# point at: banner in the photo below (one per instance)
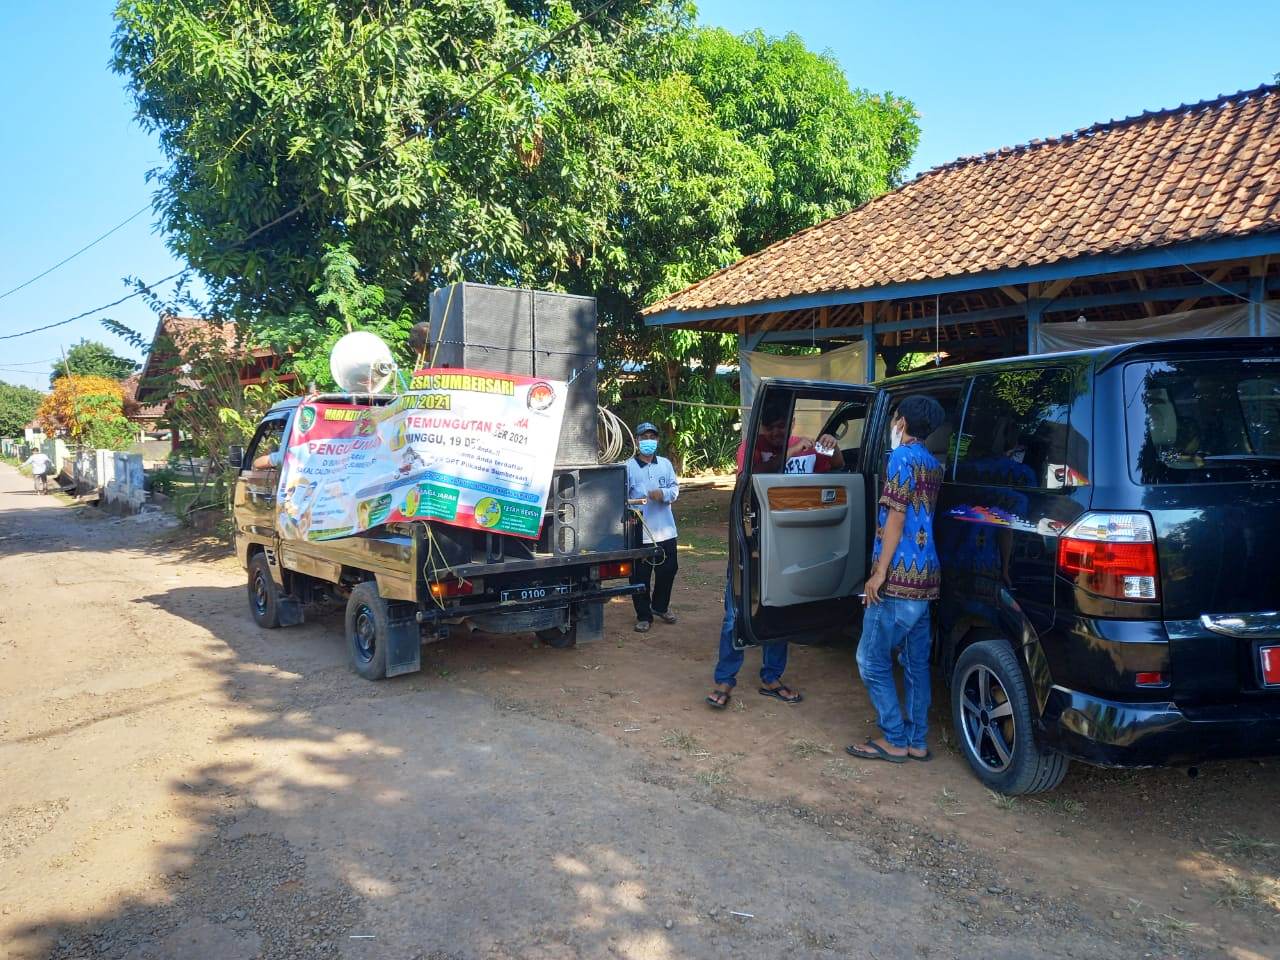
(466, 447)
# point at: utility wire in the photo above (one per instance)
(361, 168)
(132, 217)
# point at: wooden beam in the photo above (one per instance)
(1217, 276)
(1014, 294)
(1147, 306)
(824, 317)
(1051, 290)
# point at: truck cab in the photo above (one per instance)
(406, 583)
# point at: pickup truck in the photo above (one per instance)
(407, 583)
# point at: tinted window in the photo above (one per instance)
(1017, 432)
(1203, 421)
(942, 442)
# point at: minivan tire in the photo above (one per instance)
(264, 593)
(367, 625)
(991, 714)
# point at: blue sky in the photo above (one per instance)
(982, 75)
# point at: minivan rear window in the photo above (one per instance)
(1203, 421)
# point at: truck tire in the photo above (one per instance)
(991, 713)
(367, 624)
(560, 639)
(264, 594)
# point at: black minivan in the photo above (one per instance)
(1109, 531)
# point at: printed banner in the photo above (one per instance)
(466, 447)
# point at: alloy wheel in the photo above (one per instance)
(990, 730)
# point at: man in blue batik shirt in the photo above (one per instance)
(905, 577)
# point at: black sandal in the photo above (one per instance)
(877, 752)
(719, 699)
(791, 696)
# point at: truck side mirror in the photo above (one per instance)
(235, 456)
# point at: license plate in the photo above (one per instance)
(1270, 665)
(534, 593)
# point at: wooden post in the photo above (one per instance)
(1257, 294)
(869, 335)
(1034, 308)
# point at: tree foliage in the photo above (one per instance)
(89, 358)
(18, 406)
(88, 410)
(632, 158)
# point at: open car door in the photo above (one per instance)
(798, 544)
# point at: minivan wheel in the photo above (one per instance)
(367, 626)
(264, 595)
(991, 713)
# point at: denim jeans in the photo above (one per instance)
(897, 626)
(773, 655)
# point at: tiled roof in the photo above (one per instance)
(1200, 172)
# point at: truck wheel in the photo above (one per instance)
(367, 625)
(561, 639)
(264, 595)
(991, 713)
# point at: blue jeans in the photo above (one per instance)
(897, 626)
(774, 655)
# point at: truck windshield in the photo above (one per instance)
(1203, 421)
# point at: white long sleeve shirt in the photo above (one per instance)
(659, 520)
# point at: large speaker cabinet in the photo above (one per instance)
(532, 332)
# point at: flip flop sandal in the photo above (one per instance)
(714, 701)
(776, 693)
(878, 752)
(928, 755)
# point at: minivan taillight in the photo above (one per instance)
(1111, 555)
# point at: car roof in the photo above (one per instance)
(1103, 357)
(370, 399)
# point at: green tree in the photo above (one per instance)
(18, 406)
(624, 161)
(89, 358)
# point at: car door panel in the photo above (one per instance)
(798, 541)
(812, 533)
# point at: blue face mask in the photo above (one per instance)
(648, 447)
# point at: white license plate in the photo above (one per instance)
(534, 593)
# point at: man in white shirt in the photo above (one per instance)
(652, 488)
(41, 466)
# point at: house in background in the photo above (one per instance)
(1161, 225)
(176, 343)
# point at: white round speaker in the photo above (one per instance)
(361, 363)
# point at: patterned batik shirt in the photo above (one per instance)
(911, 487)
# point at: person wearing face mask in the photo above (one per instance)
(905, 577)
(652, 487)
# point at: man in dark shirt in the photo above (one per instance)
(905, 577)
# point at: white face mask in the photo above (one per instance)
(895, 439)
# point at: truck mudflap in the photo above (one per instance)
(404, 640)
(590, 619)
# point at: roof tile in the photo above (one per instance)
(1197, 172)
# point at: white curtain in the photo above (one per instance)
(1228, 321)
(842, 365)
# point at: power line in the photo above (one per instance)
(147, 288)
(66, 260)
(361, 168)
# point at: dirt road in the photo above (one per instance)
(176, 783)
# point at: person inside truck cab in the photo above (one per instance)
(779, 451)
